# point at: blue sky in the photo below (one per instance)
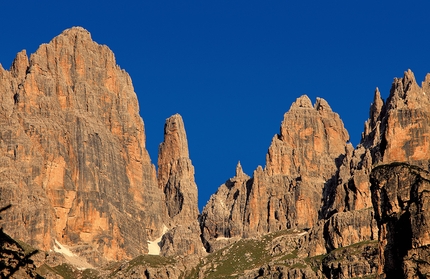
(233, 68)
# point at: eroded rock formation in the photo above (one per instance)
(72, 152)
(400, 195)
(302, 160)
(74, 166)
(397, 130)
(176, 179)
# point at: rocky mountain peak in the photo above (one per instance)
(239, 170)
(73, 143)
(406, 93)
(20, 65)
(307, 134)
(322, 105)
(301, 160)
(77, 31)
(388, 132)
(301, 102)
(175, 145)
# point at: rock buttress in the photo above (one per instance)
(401, 200)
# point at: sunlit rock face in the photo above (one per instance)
(302, 160)
(74, 167)
(398, 130)
(72, 152)
(176, 179)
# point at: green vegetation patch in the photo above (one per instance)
(292, 255)
(151, 260)
(66, 271)
(271, 236)
(90, 274)
(44, 270)
(245, 254)
(28, 249)
(233, 260)
(154, 261)
(367, 277)
(355, 248)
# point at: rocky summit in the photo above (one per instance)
(80, 197)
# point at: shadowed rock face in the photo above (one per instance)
(401, 199)
(72, 152)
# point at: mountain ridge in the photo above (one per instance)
(75, 168)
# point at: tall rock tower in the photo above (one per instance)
(176, 179)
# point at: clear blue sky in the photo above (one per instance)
(233, 68)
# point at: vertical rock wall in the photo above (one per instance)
(72, 152)
(401, 199)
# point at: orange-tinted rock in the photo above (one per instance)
(175, 171)
(176, 179)
(311, 139)
(72, 152)
(406, 131)
(301, 160)
(398, 131)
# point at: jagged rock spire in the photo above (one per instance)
(376, 108)
(371, 135)
(176, 179)
(239, 170)
(175, 171)
(398, 130)
(20, 65)
(175, 144)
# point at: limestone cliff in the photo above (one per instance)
(400, 195)
(397, 130)
(73, 162)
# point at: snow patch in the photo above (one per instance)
(62, 249)
(71, 257)
(222, 238)
(154, 246)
